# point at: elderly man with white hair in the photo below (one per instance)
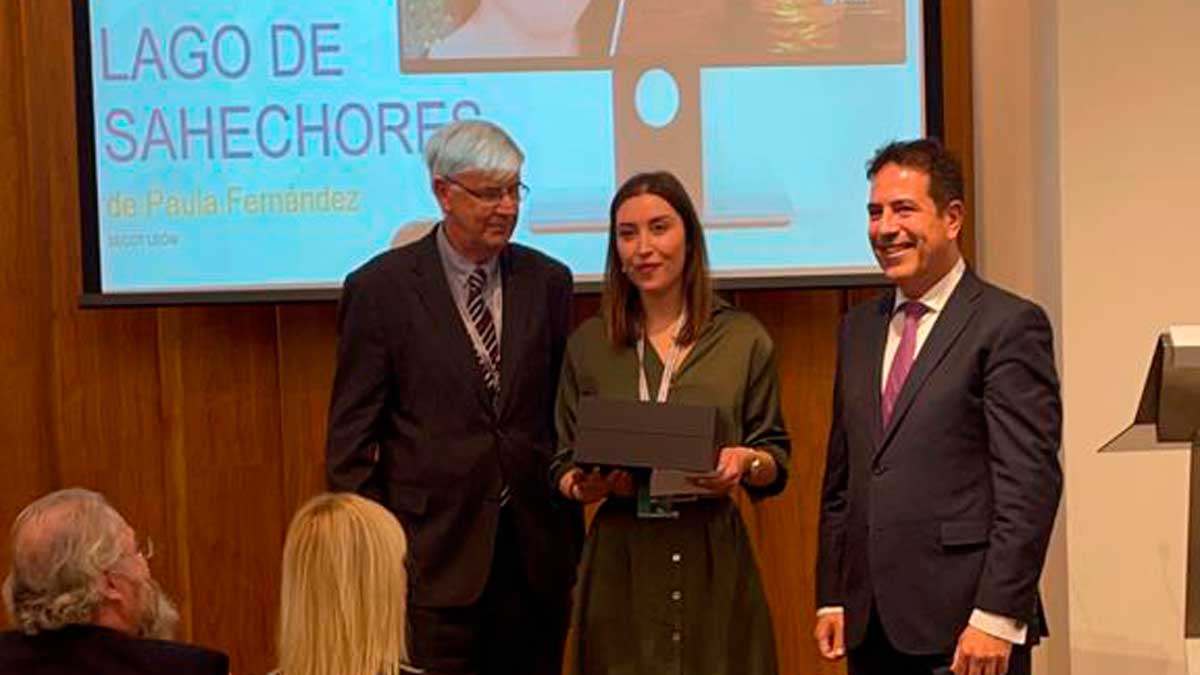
(449, 352)
(82, 598)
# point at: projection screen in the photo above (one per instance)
(263, 149)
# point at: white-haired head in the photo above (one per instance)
(472, 145)
(64, 547)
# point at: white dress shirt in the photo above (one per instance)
(935, 300)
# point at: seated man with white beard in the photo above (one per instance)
(82, 599)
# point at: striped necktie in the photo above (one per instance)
(485, 326)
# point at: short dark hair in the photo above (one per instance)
(620, 303)
(928, 155)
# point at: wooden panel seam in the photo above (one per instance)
(175, 456)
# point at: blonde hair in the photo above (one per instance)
(343, 596)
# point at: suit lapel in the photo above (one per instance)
(518, 311)
(957, 313)
(444, 319)
(876, 343)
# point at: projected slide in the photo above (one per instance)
(278, 145)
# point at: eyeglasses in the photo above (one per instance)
(494, 195)
(145, 548)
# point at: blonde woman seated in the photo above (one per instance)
(342, 601)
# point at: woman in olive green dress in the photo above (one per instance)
(671, 595)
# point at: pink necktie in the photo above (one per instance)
(903, 360)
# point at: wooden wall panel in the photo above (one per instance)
(803, 326)
(957, 99)
(222, 394)
(307, 339)
(24, 298)
(205, 426)
(106, 431)
(584, 307)
(857, 296)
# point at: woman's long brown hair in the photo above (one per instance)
(621, 303)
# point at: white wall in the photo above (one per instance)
(1088, 162)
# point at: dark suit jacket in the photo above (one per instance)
(93, 650)
(411, 423)
(949, 508)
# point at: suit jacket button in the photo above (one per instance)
(880, 470)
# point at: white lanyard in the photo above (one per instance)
(664, 384)
(481, 352)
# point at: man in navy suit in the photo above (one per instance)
(942, 477)
(81, 595)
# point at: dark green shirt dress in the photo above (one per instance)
(677, 596)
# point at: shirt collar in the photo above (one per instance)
(456, 263)
(939, 294)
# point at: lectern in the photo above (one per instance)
(1168, 417)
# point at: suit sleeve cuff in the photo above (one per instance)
(999, 626)
(822, 611)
